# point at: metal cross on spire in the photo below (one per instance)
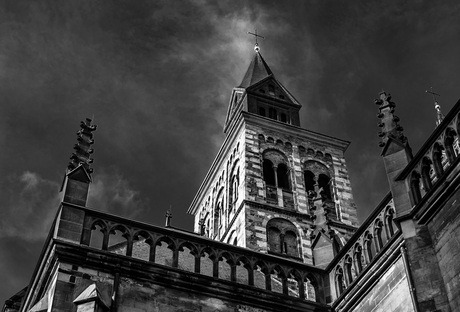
(433, 94)
(256, 36)
(439, 115)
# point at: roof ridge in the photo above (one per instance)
(258, 69)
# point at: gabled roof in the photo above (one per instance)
(280, 85)
(257, 70)
(41, 306)
(91, 293)
(79, 174)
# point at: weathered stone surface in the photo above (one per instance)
(390, 293)
(445, 233)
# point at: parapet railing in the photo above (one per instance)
(435, 158)
(364, 246)
(197, 254)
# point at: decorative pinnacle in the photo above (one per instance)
(168, 216)
(202, 225)
(388, 122)
(82, 148)
(437, 107)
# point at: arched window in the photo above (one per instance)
(283, 117)
(271, 89)
(378, 234)
(369, 247)
(348, 263)
(274, 240)
(317, 178)
(290, 244)
(389, 222)
(309, 178)
(324, 184)
(282, 237)
(275, 170)
(283, 176)
(217, 214)
(339, 285)
(426, 170)
(262, 111)
(437, 159)
(357, 259)
(415, 188)
(233, 187)
(269, 173)
(272, 113)
(451, 136)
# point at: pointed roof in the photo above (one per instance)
(91, 293)
(41, 306)
(257, 71)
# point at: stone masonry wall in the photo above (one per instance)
(390, 293)
(138, 296)
(248, 227)
(445, 233)
(297, 152)
(256, 231)
(426, 272)
(72, 280)
(219, 190)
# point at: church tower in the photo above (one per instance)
(275, 187)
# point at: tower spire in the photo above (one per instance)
(388, 121)
(437, 107)
(258, 69)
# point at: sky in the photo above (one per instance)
(156, 77)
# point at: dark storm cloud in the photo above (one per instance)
(157, 76)
(28, 194)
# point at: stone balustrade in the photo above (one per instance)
(435, 158)
(363, 248)
(191, 252)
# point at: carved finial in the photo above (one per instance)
(82, 148)
(168, 216)
(437, 107)
(202, 225)
(388, 121)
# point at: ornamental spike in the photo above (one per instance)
(388, 121)
(83, 148)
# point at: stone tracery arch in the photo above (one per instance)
(276, 172)
(317, 174)
(449, 141)
(415, 187)
(283, 237)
